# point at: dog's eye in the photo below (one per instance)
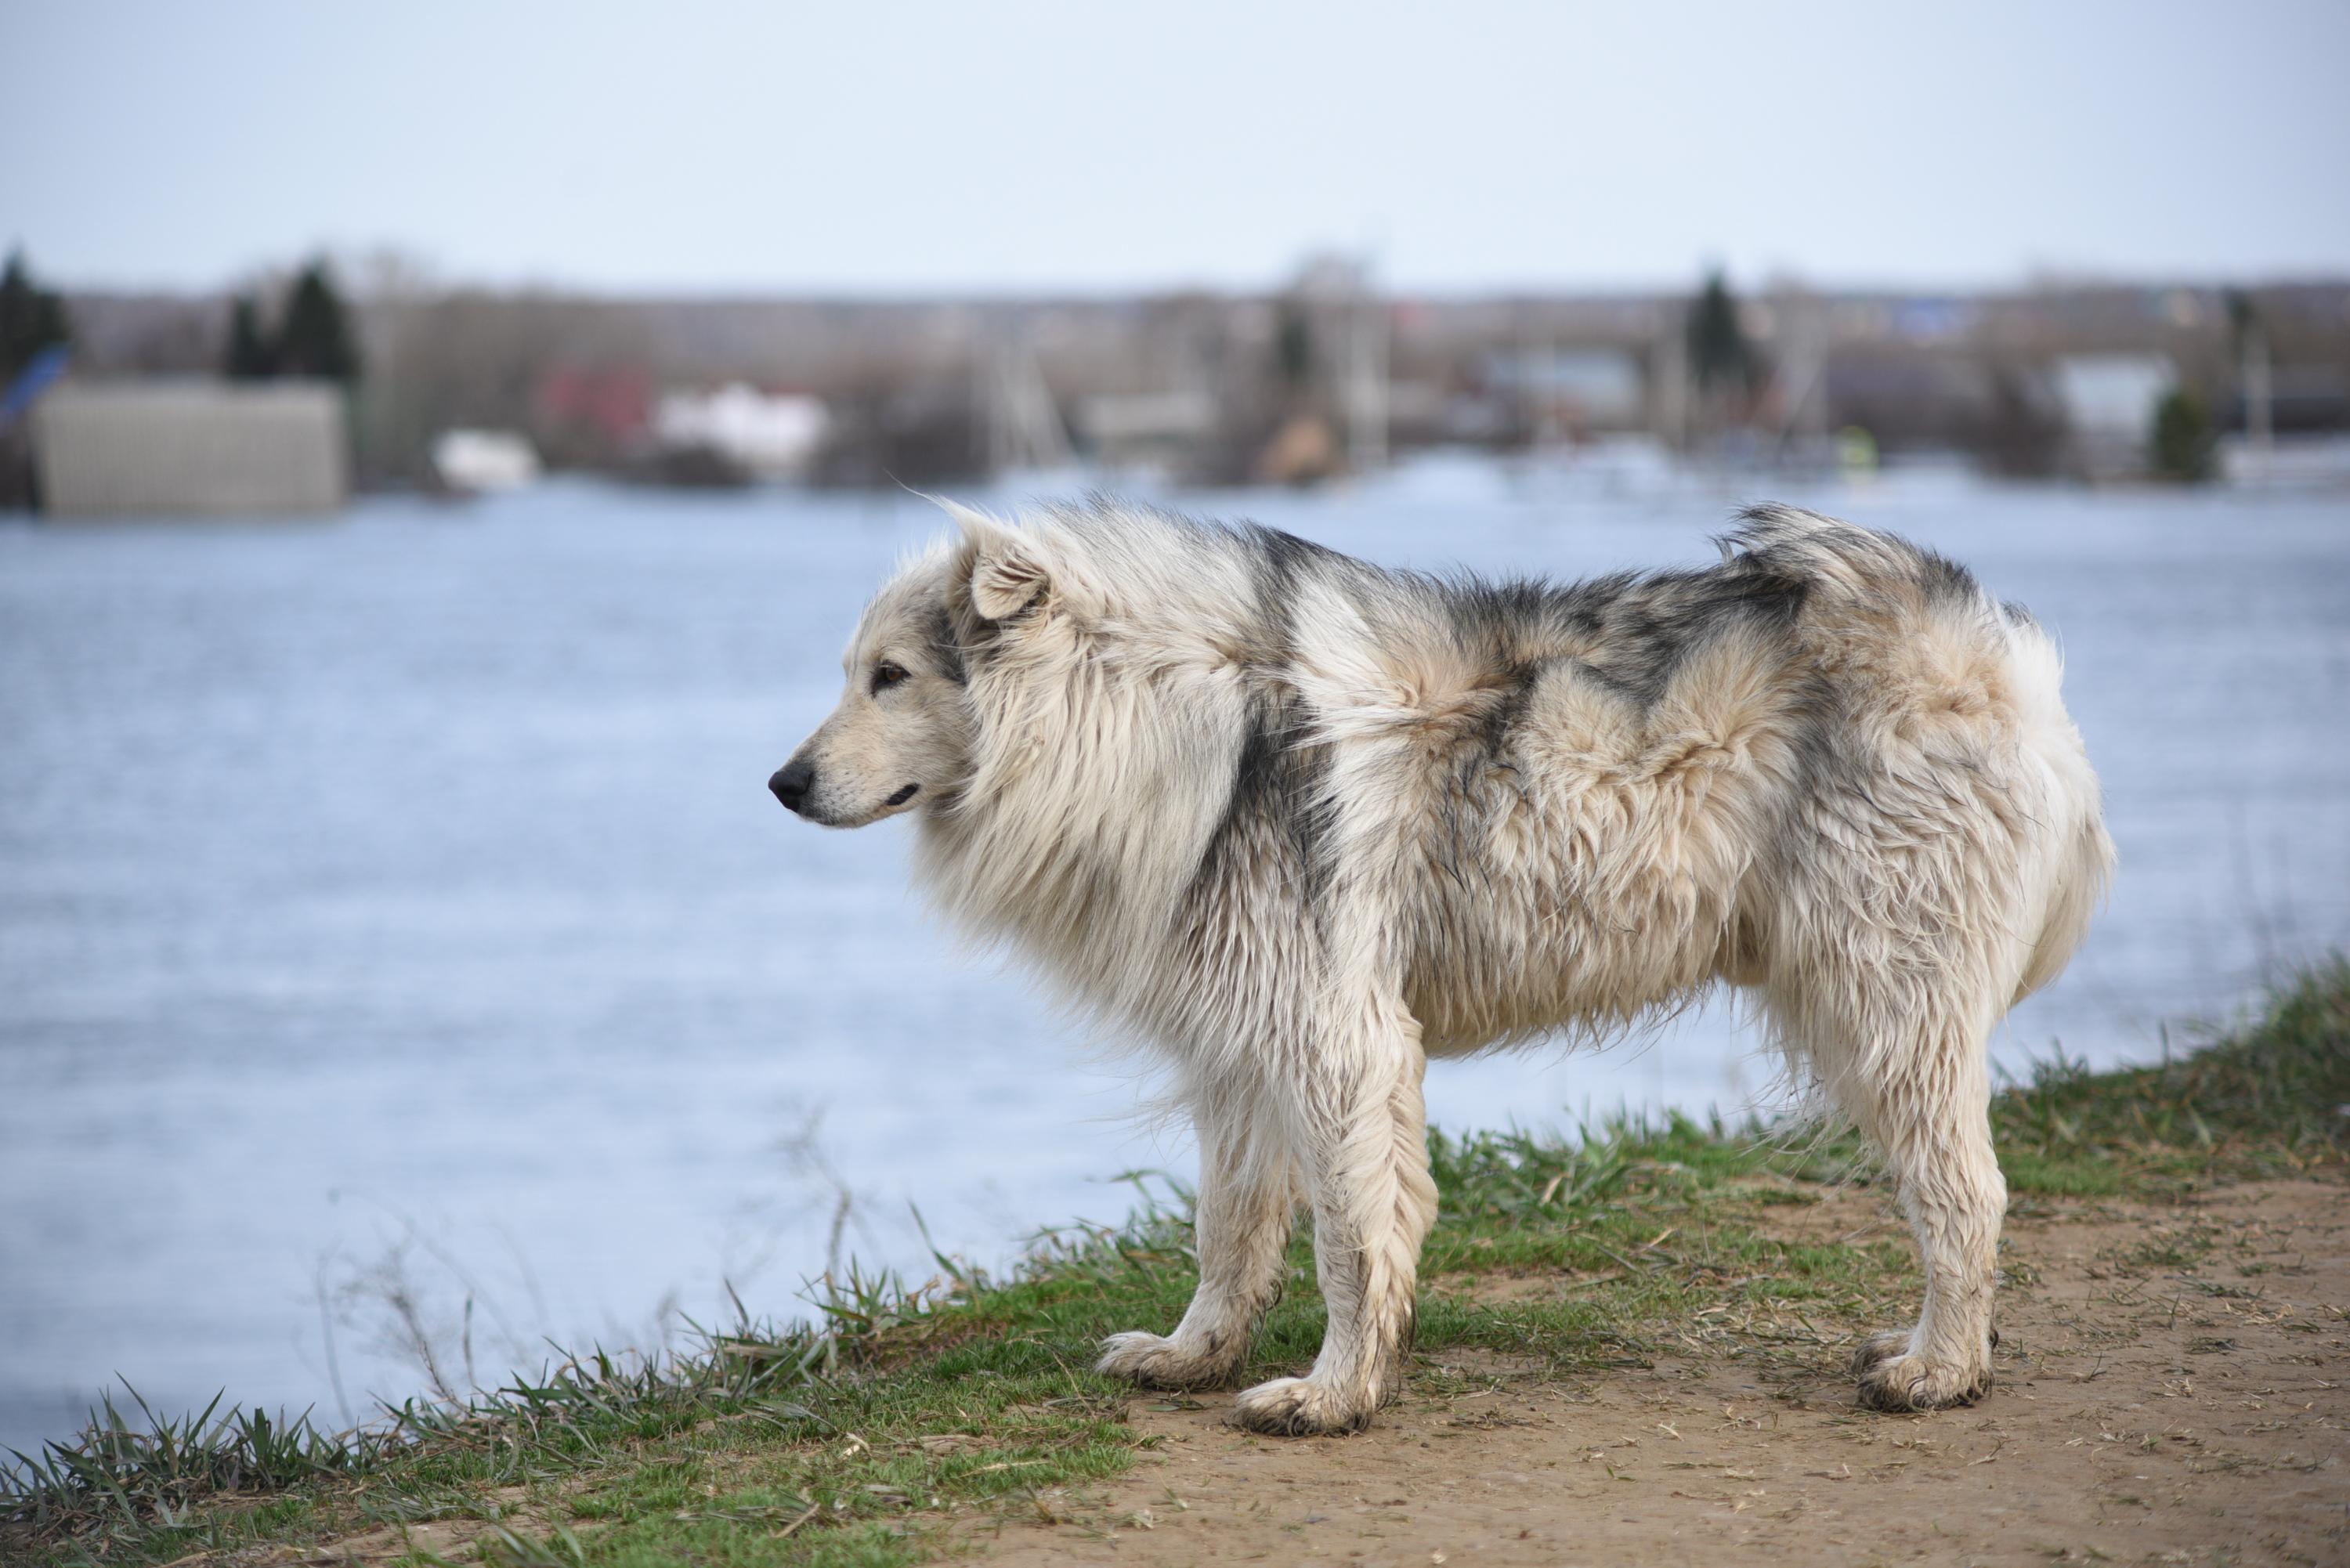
(886, 675)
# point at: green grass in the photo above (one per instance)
(2272, 1099)
(858, 1437)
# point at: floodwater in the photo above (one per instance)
(399, 903)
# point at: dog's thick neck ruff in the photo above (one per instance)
(1119, 672)
(1298, 822)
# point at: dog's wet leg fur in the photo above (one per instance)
(1245, 1212)
(1363, 1126)
(1908, 1062)
(1949, 1186)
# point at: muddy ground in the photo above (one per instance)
(2170, 1391)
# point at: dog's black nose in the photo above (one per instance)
(791, 784)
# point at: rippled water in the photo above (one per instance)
(403, 894)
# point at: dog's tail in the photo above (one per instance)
(1834, 558)
(2068, 875)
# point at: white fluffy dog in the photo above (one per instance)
(1299, 823)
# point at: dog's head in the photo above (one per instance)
(903, 732)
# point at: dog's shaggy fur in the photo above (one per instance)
(1300, 823)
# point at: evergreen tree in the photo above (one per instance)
(31, 318)
(315, 339)
(250, 357)
(1718, 352)
(2243, 318)
(1293, 346)
(2182, 438)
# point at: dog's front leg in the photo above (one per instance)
(1247, 1207)
(1360, 1126)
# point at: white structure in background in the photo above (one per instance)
(1133, 428)
(1561, 390)
(771, 435)
(191, 449)
(2307, 462)
(2108, 401)
(483, 462)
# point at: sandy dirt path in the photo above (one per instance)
(2171, 1390)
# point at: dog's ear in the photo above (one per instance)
(1005, 582)
(1007, 576)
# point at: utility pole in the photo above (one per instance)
(1669, 372)
(2253, 383)
(1802, 369)
(1367, 374)
(1024, 428)
(2259, 416)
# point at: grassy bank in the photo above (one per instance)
(865, 1437)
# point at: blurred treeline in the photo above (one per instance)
(1322, 375)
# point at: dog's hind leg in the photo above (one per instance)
(1360, 1126)
(1917, 1083)
(1246, 1210)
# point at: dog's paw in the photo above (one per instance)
(1893, 1378)
(1300, 1407)
(1156, 1362)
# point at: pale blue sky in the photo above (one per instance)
(882, 148)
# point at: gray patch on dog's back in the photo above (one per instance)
(1277, 801)
(1276, 805)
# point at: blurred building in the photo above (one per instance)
(191, 449)
(1570, 392)
(1147, 430)
(2107, 402)
(767, 435)
(483, 462)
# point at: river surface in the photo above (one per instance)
(394, 908)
